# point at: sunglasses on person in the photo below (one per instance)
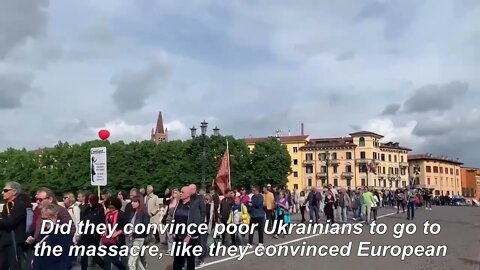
(5, 190)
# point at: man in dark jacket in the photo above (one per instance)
(225, 209)
(257, 215)
(197, 204)
(12, 228)
(313, 199)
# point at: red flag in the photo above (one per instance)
(222, 180)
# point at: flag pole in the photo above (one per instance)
(228, 160)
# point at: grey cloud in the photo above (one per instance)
(355, 127)
(447, 124)
(391, 109)
(13, 87)
(397, 16)
(346, 56)
(133, 88)
(462, 148)
(19, 20)
(436, 97)
(97, 41)
(334, 98)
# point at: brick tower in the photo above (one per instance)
(159, 134)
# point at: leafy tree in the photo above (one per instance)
(270, 163)
(174, 164)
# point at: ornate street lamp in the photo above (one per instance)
(193, 131)
(216, 131)
(203, 127)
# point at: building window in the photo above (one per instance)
(435, 169)
(334, 169)
(428, 181)
(309, 182)
(349, 155)
(295, 149)
(334, 155)
(323, 169)
(348, 168)
(395, 158)
(349, 182)
(361, 142)
(309, 156)
(457, 172)
(295, 186)
(389, 158)
(309, 169)
(436, 181)
(362, 155)
(446, 170)
(396, 170)
(384, 170)
(451, 171)
(295, 162)
(335, 182)
(429, 169)
(363, 181)
(441, 169)
(295, 174)
(374, 155)
(382, 157)
(401, 158)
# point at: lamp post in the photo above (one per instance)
(193, 130)
(203, 127)
(216, 131)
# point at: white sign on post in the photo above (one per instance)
(98, 166)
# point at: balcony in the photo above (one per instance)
(362, 161)
(334, 162)
(321, 175)
(308, 162)
(381, 175)
(347, 175)
(404, 164)
(393, 177)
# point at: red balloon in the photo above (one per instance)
(104, 134)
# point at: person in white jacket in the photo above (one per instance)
(74, 211)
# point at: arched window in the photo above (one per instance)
(361, 142)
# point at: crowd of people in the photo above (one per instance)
(21, 222)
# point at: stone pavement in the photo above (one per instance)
(460, 232)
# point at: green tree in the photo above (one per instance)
(270, 162)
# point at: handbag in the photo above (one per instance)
(110, 219)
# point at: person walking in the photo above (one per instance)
(344, 203)
(139, 216)
(257, 215)
(313, 199)
(12, 228)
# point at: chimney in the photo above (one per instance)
(302, 130)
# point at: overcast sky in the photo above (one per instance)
(406, 69)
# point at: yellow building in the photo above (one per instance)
(358, 160)
(440, 173)
(293, 143)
